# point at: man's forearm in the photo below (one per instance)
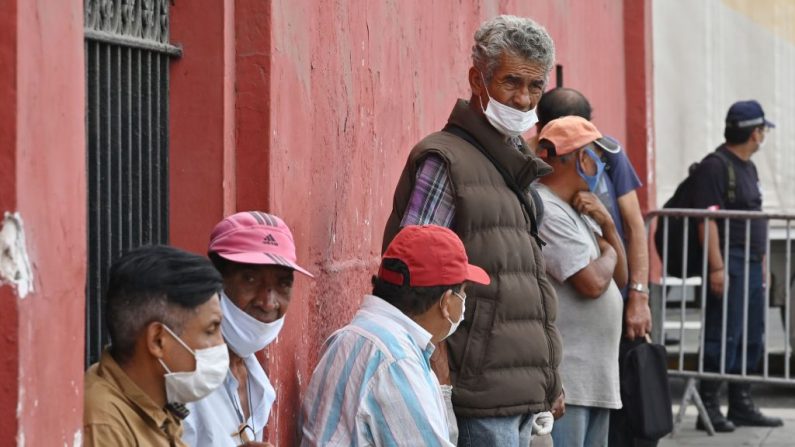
(714, 259)
(594, 279)
(620, 271)
(637, 250)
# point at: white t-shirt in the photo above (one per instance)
(213, 420)
(590, 328)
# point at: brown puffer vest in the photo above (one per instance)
(504, 357)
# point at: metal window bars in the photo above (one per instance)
(127, 55)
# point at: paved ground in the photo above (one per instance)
(776, 401)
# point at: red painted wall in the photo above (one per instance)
(8, 201)
(351, 90)
(202, 121)
(305, 108)
(640, 96)
(308, 108)
(42, 154)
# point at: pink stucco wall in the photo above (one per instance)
(42, 166)
(352, 88)
(305, 108)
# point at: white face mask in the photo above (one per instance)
(509, 121)
(454, 325)
(244, 333)
(212, 365)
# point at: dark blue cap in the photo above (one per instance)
(747, 114)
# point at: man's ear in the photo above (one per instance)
(585, 160)
(760, 134)
(444, 303)
(155, 339)
(475, 81)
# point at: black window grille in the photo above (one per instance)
(127, 55)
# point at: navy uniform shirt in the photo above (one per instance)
(710, 189)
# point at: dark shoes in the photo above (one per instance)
(709, 391)
(743, 411)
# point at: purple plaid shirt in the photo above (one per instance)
(432, 198)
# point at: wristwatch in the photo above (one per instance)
(639, 287)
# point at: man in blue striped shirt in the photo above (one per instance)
(374, 385)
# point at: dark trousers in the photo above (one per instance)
(734, 319)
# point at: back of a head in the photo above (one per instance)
(155, 283)
(560, 102)
(518, 36)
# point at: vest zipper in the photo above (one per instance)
(552, 380)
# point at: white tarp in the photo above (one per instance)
(708, 54)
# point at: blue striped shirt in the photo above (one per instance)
(374, 386)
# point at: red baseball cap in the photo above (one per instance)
(254, 237)
(434, 255)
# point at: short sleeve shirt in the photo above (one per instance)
(590, 328)
(619, 180)
(710, 190)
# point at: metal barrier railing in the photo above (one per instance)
(671, 221)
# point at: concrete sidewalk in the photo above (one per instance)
(687, 435)
(774, 401)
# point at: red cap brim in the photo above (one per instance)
(478, 275)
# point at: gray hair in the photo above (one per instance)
(513, 35)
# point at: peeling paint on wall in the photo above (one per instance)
(14, 262)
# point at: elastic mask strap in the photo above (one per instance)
(184, 345)
(485, 87)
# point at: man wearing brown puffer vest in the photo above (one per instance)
(474, 177)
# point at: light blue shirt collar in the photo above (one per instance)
(377, 306)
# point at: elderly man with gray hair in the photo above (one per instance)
(474, 177)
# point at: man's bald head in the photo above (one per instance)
(560, 102)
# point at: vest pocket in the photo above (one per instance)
(477, 342)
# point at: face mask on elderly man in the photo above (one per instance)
(244, 333)
(509, 121)
(454, 324)
(592, 180)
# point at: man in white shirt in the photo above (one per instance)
(374, 385)
(255, 254)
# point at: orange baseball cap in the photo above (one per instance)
(567, 134)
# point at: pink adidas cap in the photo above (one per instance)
(253, 237)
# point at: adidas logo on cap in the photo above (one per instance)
(270, 240)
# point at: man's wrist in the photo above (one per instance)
(639, 287)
